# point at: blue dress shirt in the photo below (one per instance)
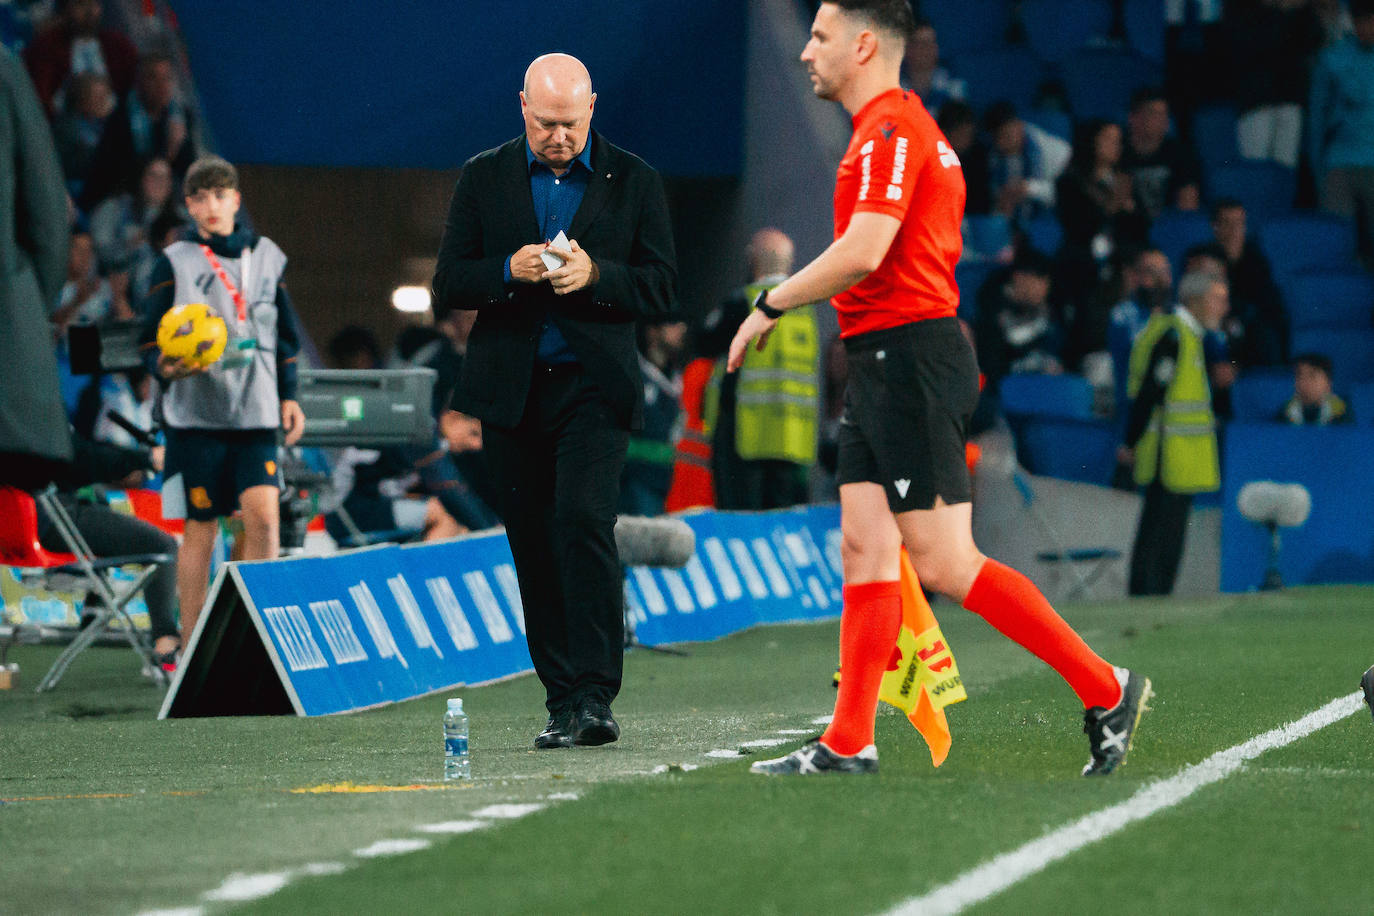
(556, 199)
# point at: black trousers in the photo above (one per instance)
(558, 475)
(1159, 540)
(111, 534)
(756, 485)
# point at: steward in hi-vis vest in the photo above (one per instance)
(1171, 433)
(1179, 444)
(777, 398)
(763, 421)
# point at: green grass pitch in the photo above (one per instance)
(106, 810)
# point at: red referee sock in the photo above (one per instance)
(1016, 608)
(869, 624)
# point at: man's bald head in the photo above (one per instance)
(770, 253)
(558, 73)
(557, 104)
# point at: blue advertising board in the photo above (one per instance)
(321, 635)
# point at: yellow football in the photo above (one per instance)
(194, 333)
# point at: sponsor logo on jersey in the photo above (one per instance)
(894, 189)
(948, 157)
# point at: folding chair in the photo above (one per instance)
(19, 547)
(1100, 558)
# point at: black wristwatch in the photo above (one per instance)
(761, 303)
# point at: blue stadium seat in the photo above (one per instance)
(1351, 352)
(1031, 394)
(1175, 231)
(1297, 242)
(1067, 448)
(1051, 121)
(1266, 188)
(1045, 234)
(1100, 81)
(970, 276)
(1145, 27)
(1361, 403)
(1058, 29)
(1259, 393)
(1325, 299)
(1011, 73)
(988, 234)
(968, 25)
(1214, 136)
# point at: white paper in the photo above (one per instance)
(551, 260)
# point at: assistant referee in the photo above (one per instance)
(913, 384)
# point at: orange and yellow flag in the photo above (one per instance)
(922, 678)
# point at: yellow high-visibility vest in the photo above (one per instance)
(777, 397)
(1179, 445)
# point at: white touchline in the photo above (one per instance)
(1000, 873)
(323, 869)
(453, 826)
(507, 812)
(394, 847)
(240, 887)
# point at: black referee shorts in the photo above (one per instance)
(907, 404)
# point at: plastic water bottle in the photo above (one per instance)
(457, 763)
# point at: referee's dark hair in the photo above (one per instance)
(893, 16)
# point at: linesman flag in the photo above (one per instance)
(922, 677)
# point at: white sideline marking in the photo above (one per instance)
(391, 847)
(999, 873)
(507, 812)
(822, 720)
(722, 752)
(453, 826)
(249, 887)
(175, 911)
(797, 731)
(765, 742)
(672, 768)
(321, 869)
(562, 796)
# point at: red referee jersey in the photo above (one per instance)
(900, 164)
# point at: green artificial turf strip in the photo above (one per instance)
(720, 839)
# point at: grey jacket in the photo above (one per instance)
(33, 264)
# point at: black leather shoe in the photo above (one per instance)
(555, 734)
(593, 725)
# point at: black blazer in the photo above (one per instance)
(622, 223)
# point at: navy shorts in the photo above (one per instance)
(211, 467)
(907, 404)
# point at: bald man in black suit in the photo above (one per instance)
(551, 369)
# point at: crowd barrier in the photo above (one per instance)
(319, 635)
